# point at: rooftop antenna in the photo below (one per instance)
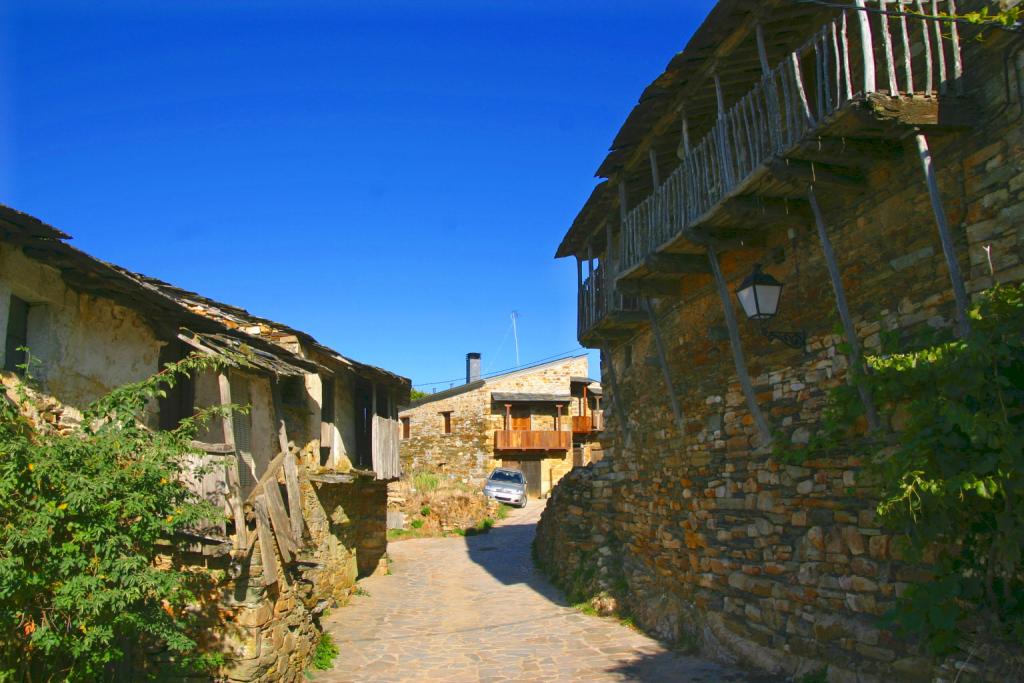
(515, 334)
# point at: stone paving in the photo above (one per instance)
(476, 609)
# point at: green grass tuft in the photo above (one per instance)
(425, 510)
(425, 482)
(416, 523)
(326, 651)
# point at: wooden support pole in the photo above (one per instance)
(234, 483)
(291, 470)
(867, 46)
(508, 415)
(618, 398)
(655, 176)
(948, 249)
(737, 349)
(558, 417)
(268, 553)
(666, 374)
(855, 357)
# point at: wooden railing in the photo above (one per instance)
(585, 424)
(840, 63)
(524, 440)
(596, 301)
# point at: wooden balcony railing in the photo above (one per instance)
(585, 424)
(597, 301)
(524, 440)
(855, 55)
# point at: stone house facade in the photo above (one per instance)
(884, 208)
(304, 489)
(542, 420)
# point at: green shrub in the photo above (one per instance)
(416, 523)
(84, 517)
(425, 481)
(950, 482)
(325, 653)
(425, 510)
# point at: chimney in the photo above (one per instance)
(472, 367)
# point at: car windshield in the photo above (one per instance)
(514, 477)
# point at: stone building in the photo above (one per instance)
(304, 489)
(542, 420)
(872, 163)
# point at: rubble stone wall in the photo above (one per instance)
(709, 538)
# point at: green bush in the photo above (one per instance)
(950, 481)
(325, 653)
(416, 523)
(425, 510)
(83, 517)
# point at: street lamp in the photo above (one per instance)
(759, 296)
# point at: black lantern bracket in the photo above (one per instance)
(759, 295)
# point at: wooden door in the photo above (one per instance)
(521, 418)
(532, 471)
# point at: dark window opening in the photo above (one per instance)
(327, 418)
(447, 417)
(293, 391)
(406, 427)
(179, 401)
(364, 423)
(17, 336)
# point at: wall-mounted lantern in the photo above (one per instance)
(759, 295)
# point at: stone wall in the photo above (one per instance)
(467, 454)
(706, 536)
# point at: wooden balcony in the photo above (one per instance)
(832, 109)
(524, 440)
(586, 424)
(603, 310)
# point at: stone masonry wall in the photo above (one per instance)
(707, 536)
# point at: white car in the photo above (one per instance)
(506, 486)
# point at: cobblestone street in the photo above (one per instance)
(476, 609)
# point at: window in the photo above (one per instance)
(293, 391)
(406, 428)
(17, 335)
(447, 417)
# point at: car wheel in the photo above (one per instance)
(522, 501)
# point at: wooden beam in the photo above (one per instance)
(291, 471)
(279, 516)
(676, 264)
(947, 113)
(808, 173)
(268, 554)
(234, 484)
(737, 349)
(649, 287)
(948, 249)
(855, 357)
(666, 374)
(855, 152)
(768, 211)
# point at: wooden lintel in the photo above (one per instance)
(808, 173)
(677, 264)
(649, 287)
(767, 211)
(918, 110)
(855, 152)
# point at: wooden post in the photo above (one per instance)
(666, 374)
(954, 39)
(737, 350)
(558, 417)
(798, 81)
(855, 356)
(725, 165)
(508, 416)
(959, 292)
(619, 399)
(928, 71)
(291, 471)
(583, 404)
(774, 125)
(867, 46)
(234, 484)
(940, 50)
(890, 62)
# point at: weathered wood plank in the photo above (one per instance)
(268, 553)
(291, 474)
(234, 486)
(279, 516)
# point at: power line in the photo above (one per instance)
(501, 372)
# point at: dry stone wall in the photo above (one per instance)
(708, 538)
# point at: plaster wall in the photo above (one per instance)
(86, 345)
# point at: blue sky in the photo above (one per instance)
(392, 177)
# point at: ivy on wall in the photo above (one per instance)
(950, 473)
